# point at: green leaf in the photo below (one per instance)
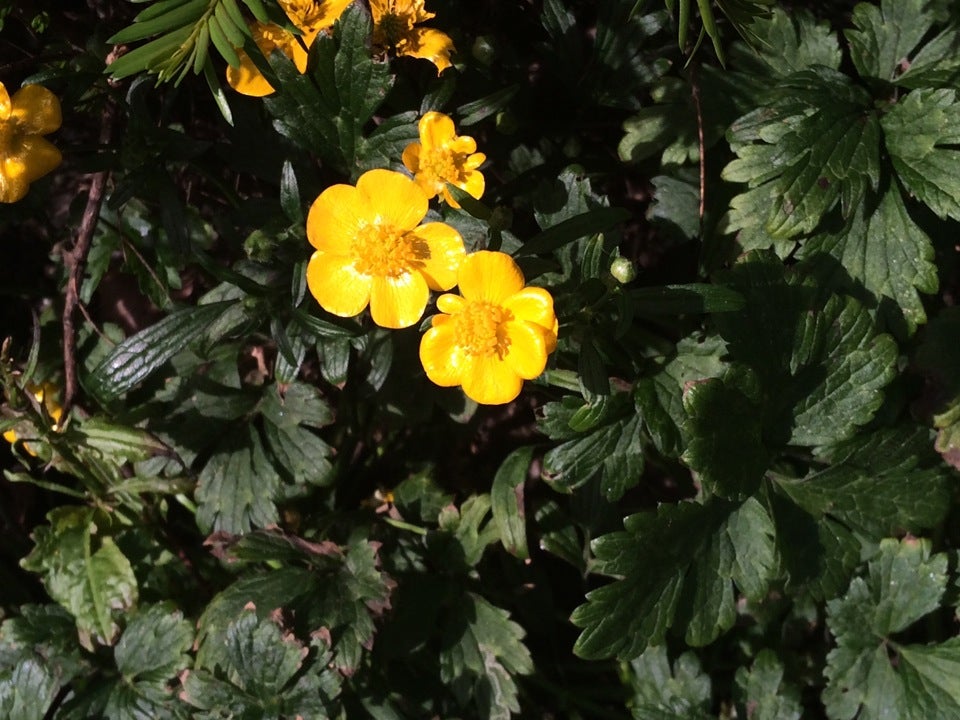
(903, 584)
(937, 359)
(27, 691)
(84, 571)
(922, 132)
(574, 228)
(117, 442)
(662, 692)
(465, 533)
(676, 203)
(725, 445)
(482, 651)
(238, 485)
(507, 501)
(683, 299)
(677, 568)
(815, 143)
(42, 632)
(303, 455)
(140, 355)
(880, 46)
(762, 693)
(881, 250)
(794, 41)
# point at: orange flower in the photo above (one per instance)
(394, 27)
(308, 16)
(46, 396)
(494, 335)
(25, 156)
(443, 157)
(372, 250)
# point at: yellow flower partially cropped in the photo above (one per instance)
(372, 250)
(494, 335)
(46, 396)
(25, 155)
(395, 28)
(443, 157)
(308, 16)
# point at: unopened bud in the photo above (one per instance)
(484, 49)
(623, 270)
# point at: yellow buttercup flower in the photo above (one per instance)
(443, 157)
(394, 27)
(308, 16)
(46, 395)
(494, 335)
(25, 156)
(372, 249)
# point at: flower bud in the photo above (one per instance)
(484, 49)
(507, 122)
(623, 270)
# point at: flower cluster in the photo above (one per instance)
(46, 397)
(373, 249)
(25, 155)
(394, 28)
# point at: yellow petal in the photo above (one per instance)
(533, 304)
(436, 130)
(36, 110)
(474, 185)
(431, 45)
(5, 105)
(38, 156)
(527, 351)
(490, 276)
(464, 145)
(13, 179)
(379, 8)
(443, 360)
(331, 10)
(474, 161)
(450, 304)
(336, 285)
(491, 381)
(295, 51)
(397, 199)
(411, 157)
(335, 217)
(398, 302)
(247, 79)
(442, 265)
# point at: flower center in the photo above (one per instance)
(479, 328)
(443, 165)
(386, 251)
(392, 28)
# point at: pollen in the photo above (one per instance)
(383, 250)
(479, 329)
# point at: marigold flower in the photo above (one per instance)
(443, 157)
(494, 335)
(308, 16)
(372, 249)
(25, 156)
(46, 395)
(394, 26)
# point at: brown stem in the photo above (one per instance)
(695, 93)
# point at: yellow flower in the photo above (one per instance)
(308, 16)
(394, 26)
(371, 249)
(25, 156)
(494, 335)
(46, 395)
(443, 157)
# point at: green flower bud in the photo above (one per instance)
(623, 270)
(484, 49)
(507, 122)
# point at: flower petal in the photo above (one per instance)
(247, 79)
(378, 8)
(431, 45)
(397, 199)
(398, 302)
(335, 218)
(13, 179)
(38, 156)
(36, 110)
(411, 157)
(6, 107)
(450, 304)
(491, 276)
(527, 351)
(443, 360)
(474, 161)
(474, 184)
(491, 381)
(441, 266)
(336, 284)
(534, 304)
(436, 130)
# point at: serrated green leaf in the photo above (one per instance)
(89, 577)
(507, 501)
(27, 692)
(45, 632)
(816, 143)
(903, 584)
(881, 250)
(762, 693)
(140, 355)
(794, 41)
(880, 46)
(725, 445)
(677, 567)
(238, 485)
(117, 442)
(154, 645)
(662, 692)
(676, 202)
(301, 453)
(922, 132)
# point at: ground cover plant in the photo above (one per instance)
(446, 359)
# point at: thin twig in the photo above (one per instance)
(695, 93)
(75, 260)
